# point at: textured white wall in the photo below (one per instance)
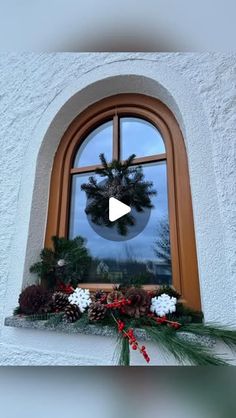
(39, 96)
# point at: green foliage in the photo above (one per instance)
(177, 342)
(124, 351)
(169, 290)
(75, 257)
(39, 317)
(186, 315)
(123, 182)
(216, 332)
(82, 322)
(54, 320)
(17, 311)
(182, 349)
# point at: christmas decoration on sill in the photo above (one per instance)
(159, 313)
(123, 182)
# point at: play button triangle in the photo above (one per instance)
(117, 209)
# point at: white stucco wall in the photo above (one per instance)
(39, 96)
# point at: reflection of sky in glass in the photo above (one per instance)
(139, 137)
(140, 247)
(100, 140)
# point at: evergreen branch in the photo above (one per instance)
(54, 320)
(39, 317)
(73, 252)
(82, 322)
(194, 352)
(17, 311)
(225, 335)
(103, 161)
(128, 162)
(124, 351)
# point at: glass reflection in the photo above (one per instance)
(146, 256)
(99, 139)
(139, 137)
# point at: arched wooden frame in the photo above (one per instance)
(182, 237)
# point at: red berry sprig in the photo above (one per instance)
(145, 354)
(65, 288)
(164, 320)
(120, 325)
(132, 339)
(118, 304)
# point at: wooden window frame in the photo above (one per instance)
(182, 236)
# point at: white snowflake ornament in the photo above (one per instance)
(163, 304)
(81, 298)
(61, 262)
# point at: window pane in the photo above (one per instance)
(146, 255)
(99, 140)
(139, 137)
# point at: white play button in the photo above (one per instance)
(117, 209)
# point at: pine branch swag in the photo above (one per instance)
(163, 317)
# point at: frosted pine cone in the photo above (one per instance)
(72, 313)
(60, 301)
(99, 296)
(114, 296)
(97, 311)
(139, 302)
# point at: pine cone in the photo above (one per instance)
(99, 296)
(72, 313)
(60, 301)
(97, 311)
(114, 295)
(140, 302)
(34, 299)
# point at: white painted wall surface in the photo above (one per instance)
(39, 96)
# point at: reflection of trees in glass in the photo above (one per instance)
(162, 243)
(110, 270)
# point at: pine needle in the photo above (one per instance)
(183, 350)
(124, 357)
(54, 320)
(82, 322)
(17, 311)
(39, 317)
(213, 331)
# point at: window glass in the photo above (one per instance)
(139, 137)
(99, 140)
(146, 255)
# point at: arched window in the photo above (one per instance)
(164, 251)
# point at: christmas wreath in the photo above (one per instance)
(159, 313)
(123, 182)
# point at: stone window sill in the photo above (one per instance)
(106, 331)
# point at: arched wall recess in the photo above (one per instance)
(182, 237)
(134, 76)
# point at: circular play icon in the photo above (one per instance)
(117, 209)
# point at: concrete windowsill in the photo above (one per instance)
(106, 331)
